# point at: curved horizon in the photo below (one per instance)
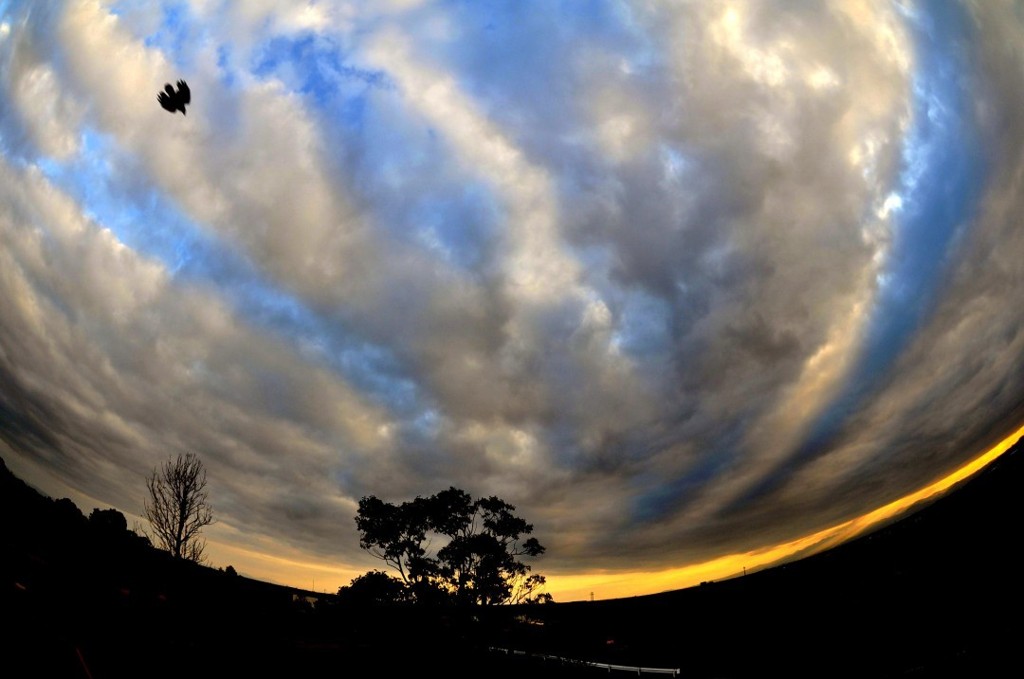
(693, 287)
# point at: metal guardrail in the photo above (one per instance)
(632, 669)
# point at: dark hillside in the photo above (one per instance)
(89, 597)
(931, 595)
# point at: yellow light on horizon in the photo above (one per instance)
(297, 571)
(614, 585)
(313, 575)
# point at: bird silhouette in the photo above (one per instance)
(175, 101)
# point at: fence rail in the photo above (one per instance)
(632, 669)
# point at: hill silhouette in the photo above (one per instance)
(933, 594)
(93, 600)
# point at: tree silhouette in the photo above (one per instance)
(373, 588)
(177, 508)
(108, 521)
(480, 543)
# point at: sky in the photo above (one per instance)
(695, 286)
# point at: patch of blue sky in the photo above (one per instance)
(374, 369)
(454, 220)
(594, 18)
(318, 67)
(512, 58)
(16, 11)
(425, 427)
(460, 226)
(225, 69)
(14, 141)
(176, 33)
(675, 164)
(643, 331)
(150, 223)
(938, 191)
(179, 33)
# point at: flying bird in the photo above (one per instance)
(175, 101)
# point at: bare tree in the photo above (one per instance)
(177, 508)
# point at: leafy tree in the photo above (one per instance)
(479, 545)
(68, 511)
(177, 508)
(373, 588)
(109, 521)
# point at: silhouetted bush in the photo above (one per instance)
(374, 588)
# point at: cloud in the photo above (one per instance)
(676, 280)
(111, 367)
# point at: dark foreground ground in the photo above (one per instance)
(937, 594)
